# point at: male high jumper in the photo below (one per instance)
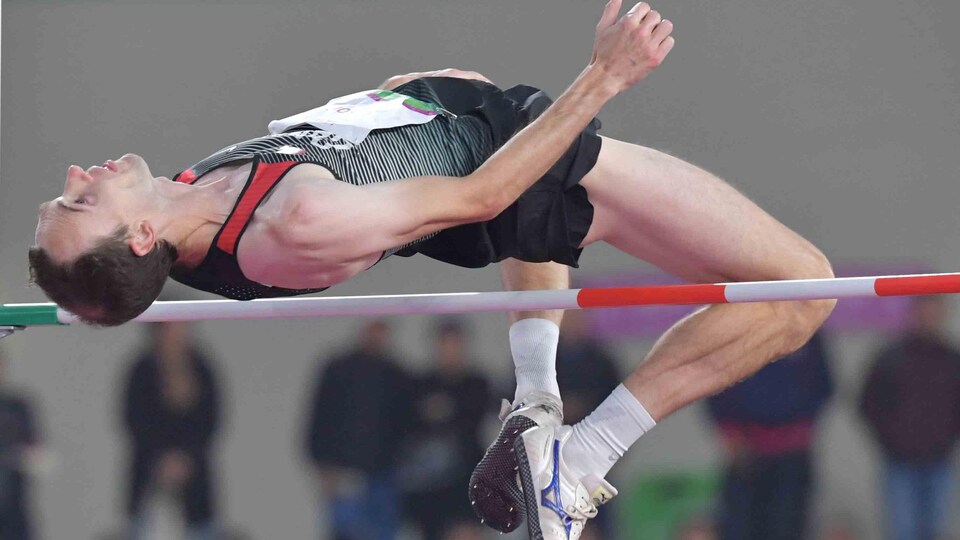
(466, 173)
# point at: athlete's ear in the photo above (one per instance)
(142, 239)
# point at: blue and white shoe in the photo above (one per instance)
(494, 490)
(557, 505)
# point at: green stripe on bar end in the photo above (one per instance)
(29, 315)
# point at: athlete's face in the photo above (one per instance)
(93, 205)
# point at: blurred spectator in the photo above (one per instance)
(767, 425)
(357, 419)
(838, 532)
(839, 528)
(587, 373)
(466, 531)
(443, 446)
(911, 402)
(171, 412)
(696, 529)
(20, 446)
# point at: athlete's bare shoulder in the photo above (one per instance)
(294, 241)
(304, 182)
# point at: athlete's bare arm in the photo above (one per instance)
(516, 275)
(336, 222)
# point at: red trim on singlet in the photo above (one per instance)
(186, 177)
(266, 176)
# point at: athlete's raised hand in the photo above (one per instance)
(629, 48)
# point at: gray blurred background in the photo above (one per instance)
(840, 118)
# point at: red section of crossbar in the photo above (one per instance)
(916, 285)
(645, 296)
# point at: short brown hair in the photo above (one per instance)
(107, 286)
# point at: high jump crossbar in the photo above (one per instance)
(16, 316)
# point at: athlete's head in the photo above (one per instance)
(97, 254)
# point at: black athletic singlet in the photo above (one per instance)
(547, 223)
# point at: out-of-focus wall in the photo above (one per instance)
(842, 119)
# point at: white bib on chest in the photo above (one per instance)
(353, 117)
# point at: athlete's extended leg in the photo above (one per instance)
(494, 491)
(690, 223)
(533, 334)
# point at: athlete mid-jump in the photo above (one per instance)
(466, 173)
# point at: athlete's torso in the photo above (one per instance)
(444, 146)
(547, 223)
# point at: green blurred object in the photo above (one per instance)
(657, 505)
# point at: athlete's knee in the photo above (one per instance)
(805, 317)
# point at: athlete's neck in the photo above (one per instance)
(189, 216)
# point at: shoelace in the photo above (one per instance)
(583, 507)
(507, 408)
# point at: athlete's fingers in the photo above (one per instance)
(661, 31)
(610, 12)
(639, 9)
(633, 17)
(650, 20)
(667, 46)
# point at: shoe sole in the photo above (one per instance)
(494, 494)
(531, 505)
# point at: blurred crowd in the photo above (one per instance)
(401, 453)
(909, 403)
(393, 461)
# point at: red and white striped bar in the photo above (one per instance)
(25, 315)
(471, 302)
(768, 291)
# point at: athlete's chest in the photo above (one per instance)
(244, 199)
(264, 252)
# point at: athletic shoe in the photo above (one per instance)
(557, 505)
(494, 489)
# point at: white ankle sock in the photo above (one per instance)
(600, 440)
(533, 343)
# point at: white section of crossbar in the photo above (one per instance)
(801, 289)
(295, 308)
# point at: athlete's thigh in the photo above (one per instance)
(687, 221)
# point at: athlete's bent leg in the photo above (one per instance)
(692, 224)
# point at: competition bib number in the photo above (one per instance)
(353, 117)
